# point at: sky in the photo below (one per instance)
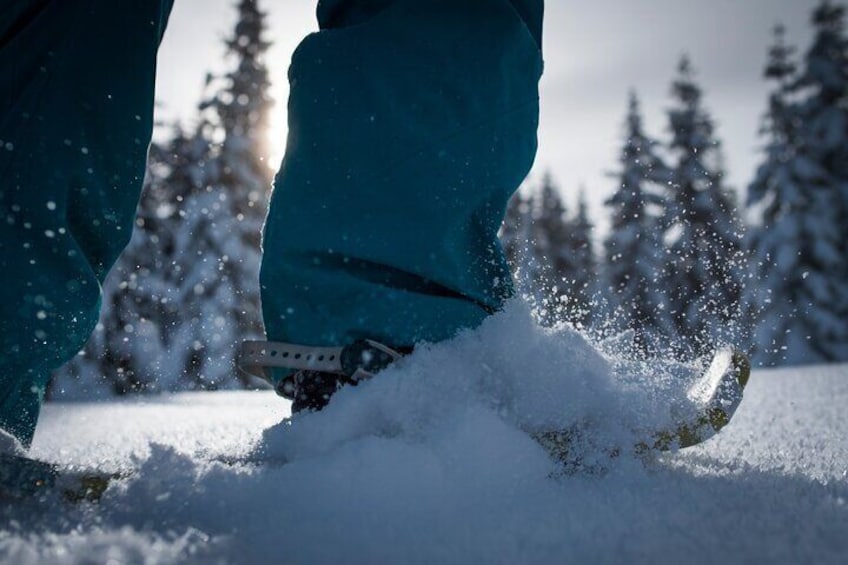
(595, 53)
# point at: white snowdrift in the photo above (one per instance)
(431, 463)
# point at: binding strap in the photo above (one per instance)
(359, 360)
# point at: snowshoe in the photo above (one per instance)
(715, 396)
(22, 477)
(25, 478)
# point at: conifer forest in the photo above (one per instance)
(688, 261)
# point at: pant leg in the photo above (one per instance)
(344, 13)
(411, 122)
(76, 105)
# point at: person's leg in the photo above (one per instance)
(411, 122)
(76, 105)
(346, 13)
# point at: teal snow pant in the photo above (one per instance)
(76, 114)
(411, 124)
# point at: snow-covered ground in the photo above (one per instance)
(429, 464)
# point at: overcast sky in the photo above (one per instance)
(595, 52)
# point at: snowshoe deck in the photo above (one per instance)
(24, 478)
(716, 394)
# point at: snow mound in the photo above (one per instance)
(433, 462)
(477, 399)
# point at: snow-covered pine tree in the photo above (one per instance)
(823, 86)
(511, 228)
(704, 266)
(801, 193)
(239, 109)
(581, 284)
(515, 236)
(776, 294)
(151, 291)
(523, 251)
(551, 254)
(224, 221)
(551, 249)
(633, 248)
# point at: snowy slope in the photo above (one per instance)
(428, 464)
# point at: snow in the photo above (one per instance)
(430, 463)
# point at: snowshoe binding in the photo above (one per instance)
(319, 371)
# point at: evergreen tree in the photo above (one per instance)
(239, 110)
(581, 284)
(551, 232)
(823, 88)
(551, 254)
(781, 242)
(514, 233)
(801, 193)
(633, 247)
(223, 221)
(704, 267)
